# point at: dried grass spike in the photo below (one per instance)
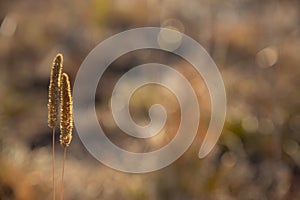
(54, 91)
(66, 111)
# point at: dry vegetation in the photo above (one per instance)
(256, 45)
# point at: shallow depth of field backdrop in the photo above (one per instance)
(256, 45)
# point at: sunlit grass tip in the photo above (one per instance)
(54, 91)
(66, 111)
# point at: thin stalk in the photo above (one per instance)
(53, 161)
(62, 175)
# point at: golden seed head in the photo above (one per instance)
(54, 91)
(66, 111)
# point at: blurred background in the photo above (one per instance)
(255, 44)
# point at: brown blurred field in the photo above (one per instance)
(256, 45)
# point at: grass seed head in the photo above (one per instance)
(66, 111)
(54, 91)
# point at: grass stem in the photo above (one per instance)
(62, 174)
(53, 161)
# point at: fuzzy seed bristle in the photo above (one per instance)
(66, 111)
(54, 91)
